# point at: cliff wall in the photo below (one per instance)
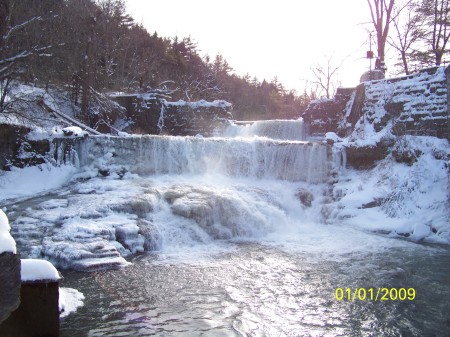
(153, 114)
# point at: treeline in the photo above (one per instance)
(92, 47)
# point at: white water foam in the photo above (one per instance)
(235, 157)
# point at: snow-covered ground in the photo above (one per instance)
(402, 200)
(30, 105)
(33, 180)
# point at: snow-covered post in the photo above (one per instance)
(39, 301)
(29, 291)
(9, 271)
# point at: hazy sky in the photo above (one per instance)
(282, 38)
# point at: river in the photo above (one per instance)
(267, 289)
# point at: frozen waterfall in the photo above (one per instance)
(279, 129)
(233, 157)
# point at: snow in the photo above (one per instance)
(49, 110)
(407, 201)
(69, 301)
(422, 95)
(332, 136)
(201, 104)
(38, 270)
(75, 131)
(29, 181)
(7, 243)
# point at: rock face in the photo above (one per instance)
(9, 284)
(324, 115)
(305, 197)
(17, 150)
(153, 114)
(365, 157)
(191, 118)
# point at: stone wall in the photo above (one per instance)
(416, 104)
(143, 110)
(324, 115)
(153, 114)
(191, 118)
(17, 150)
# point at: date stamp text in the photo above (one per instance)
(375, 294)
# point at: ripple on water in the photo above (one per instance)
(260, 290)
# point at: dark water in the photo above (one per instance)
(281, 283)
(257, 289)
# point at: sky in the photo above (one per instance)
(282, 38)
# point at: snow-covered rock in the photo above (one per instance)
(405, 199)
(74, 131)
(415, 104)
(154, 113)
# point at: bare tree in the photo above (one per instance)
(406, 22)
(326, 76)
(436, 31)
(381, 12)
(14, 55)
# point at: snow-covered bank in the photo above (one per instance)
(408, 200)
(31, 181)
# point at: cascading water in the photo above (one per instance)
(274, 129)
(232, 227)
(253, 158)
(217, 188)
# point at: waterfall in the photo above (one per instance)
(182, 191)
(67, 151)
(234, 157)
(275, 129)
(272, 149)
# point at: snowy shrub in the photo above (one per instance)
(403, 152)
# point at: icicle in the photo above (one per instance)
(237, 157)
(161, 116)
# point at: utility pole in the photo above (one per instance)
(370, 56)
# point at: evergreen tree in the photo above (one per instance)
(435, 14)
